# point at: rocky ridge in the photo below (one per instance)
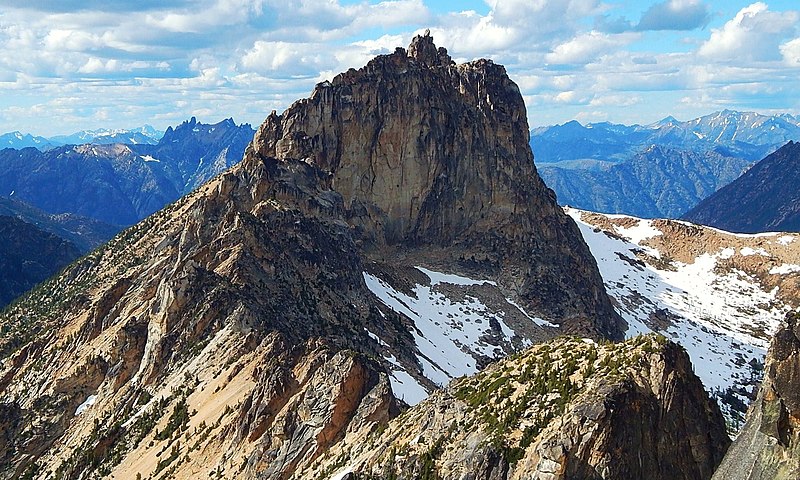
(451, 168)
(560, 410)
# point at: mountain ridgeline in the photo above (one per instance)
(266, 325)
(28, 256)
(121, 184)
(657, 182)
(766, 198)
(660, 170)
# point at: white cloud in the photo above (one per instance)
(243, 58)
(286, 59)
(791, 52)
(587, 47)
(753, 34)
(615, 100)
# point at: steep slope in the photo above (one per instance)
(251, 325)
(451, 168)
(85, 233)
(658, 182)
(121, 184)
(29, 256)
(765, 198)
(720, 295)
(562, 410)
(769, 445)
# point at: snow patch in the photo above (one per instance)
(437, 278)
(449, 334)
(639, 233)
(785, 240)
(747, 251)
(148, 158)
(722, 318)
(406, 388)
(86, 404)
(784, 269)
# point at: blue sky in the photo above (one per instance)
(68, 65)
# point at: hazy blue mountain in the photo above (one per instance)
(766, 198)
(743, 134)
(121, 184)
(142, 135)
(28, 256)
(657, 170)
(658, 182)
(85, 233)
(22, 140)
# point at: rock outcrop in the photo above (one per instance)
(768, 446)
(561, 410)
(426, 153)
(233, 333)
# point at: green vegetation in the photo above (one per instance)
(527, 391)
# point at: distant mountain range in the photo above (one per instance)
(145, 134)
(140, 135)
(746, 135)
(656, 182)
(766, 198)
(121, 184)
(657, 170)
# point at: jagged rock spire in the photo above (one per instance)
(423, 50)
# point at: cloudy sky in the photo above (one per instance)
(68, 65)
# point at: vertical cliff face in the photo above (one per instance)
(427, 153)
(768, 446)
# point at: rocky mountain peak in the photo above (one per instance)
(263, 315)
(422, 155)
(423, 50)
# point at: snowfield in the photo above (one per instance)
(451, 334)
(723, 318)
(721, 315)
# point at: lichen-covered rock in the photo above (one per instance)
(562, 410)
(768, 447)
